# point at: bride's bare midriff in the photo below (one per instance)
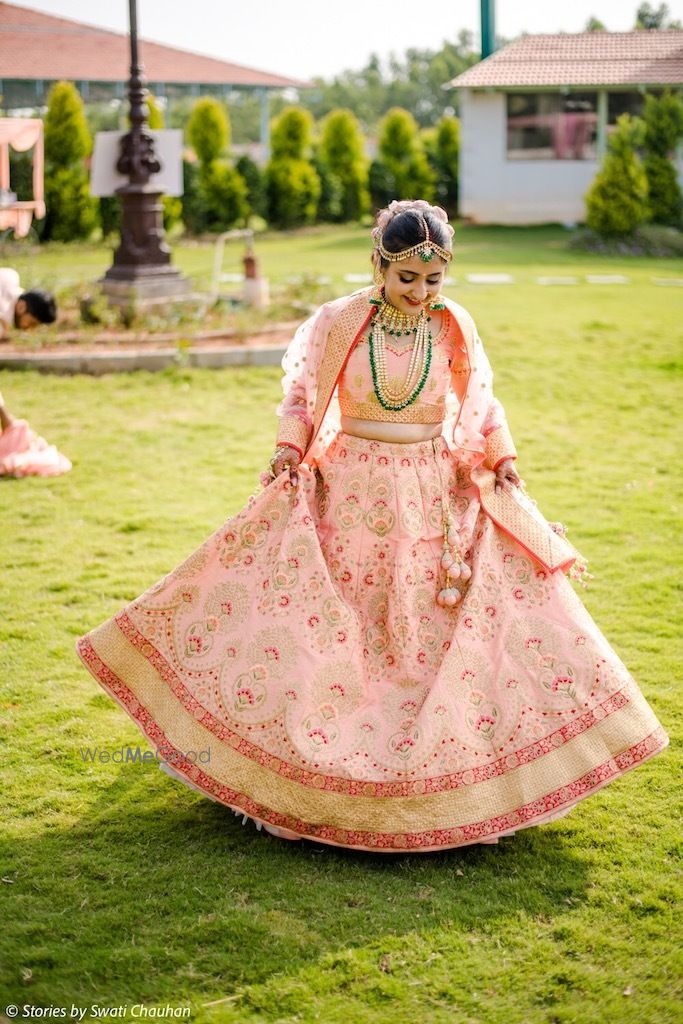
(395, 433)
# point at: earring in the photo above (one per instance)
(378, 276)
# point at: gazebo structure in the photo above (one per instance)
(20, 134)
(38, 49)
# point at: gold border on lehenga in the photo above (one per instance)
(155, 706)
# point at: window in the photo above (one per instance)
(552, 126)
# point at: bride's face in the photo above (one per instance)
(412, 283)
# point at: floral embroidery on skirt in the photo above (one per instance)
(302, 643)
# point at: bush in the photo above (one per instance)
(293, 191)
(343, 168)
(293, 185)
(404, 171)
(663, 129)
(71, 210)
(616, 202)
(253, 179)
(664, 192)
(291, 134)
(208, 130)
(195, 216)
(442, 145)
(223, 193)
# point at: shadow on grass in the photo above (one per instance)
(161, 895)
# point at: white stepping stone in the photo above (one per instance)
(490, 278)
(607, 279)
(668, 282)
(557, 280)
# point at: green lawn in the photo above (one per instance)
(123, 887)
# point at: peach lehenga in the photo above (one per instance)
(301, 650)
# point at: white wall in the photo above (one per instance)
(495, 190)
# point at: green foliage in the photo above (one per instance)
(663, 128)
(223, 193)
(343, 167)
(71, 210)
(616, 202)
(253, 179)
(414, 81)
(67, 138)
(663, 118)
(293, 192)
(110, 214)
(664, 192)
(442, 145)
(155, 115)
(595, 25)
(195, 216)
(650, 17)
(293, 185)
(291, 134)
(208, 130)
(404, 172)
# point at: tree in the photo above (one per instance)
(71, 210)
(292, 134)
(208, 130)
(414, 81)
(663, 128)
(401, 170)
(253, 179)
(218, 197)
(342, 154)
(442, 145)
(617, 199)
(650, 17)
(594, 25)
(292, 184)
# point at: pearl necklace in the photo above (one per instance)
(388, 318)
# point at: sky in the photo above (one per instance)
(307, 38)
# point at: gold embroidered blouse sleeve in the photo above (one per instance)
(499, 446)
(294, 432)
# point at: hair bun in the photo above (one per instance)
(399, 206)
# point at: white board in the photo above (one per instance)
(168, 147)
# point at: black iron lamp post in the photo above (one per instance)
(142, 262)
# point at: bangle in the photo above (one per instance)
(280, 450)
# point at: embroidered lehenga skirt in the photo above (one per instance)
(302, 647)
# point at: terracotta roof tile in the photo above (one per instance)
(35, 45)
(584, 58)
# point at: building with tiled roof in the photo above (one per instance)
(536, 114)
(38, 49)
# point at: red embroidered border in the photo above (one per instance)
(315, 779)
(433, 839)
(352, 787)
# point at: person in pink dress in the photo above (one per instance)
(383, 650)
(23, 452)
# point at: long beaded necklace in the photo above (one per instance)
(389, 319)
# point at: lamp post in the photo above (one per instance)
(142, 262)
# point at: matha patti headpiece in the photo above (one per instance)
(426, 250)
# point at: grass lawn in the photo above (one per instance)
(122, 887)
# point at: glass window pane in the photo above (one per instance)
(552, 126)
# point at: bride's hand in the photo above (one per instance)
(291, 456)
(506, 474)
